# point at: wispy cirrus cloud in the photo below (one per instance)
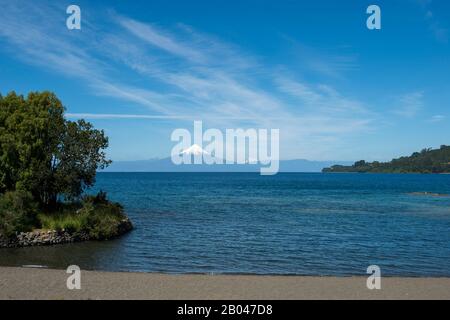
(321, 97)
(332, 62)
(410, 104)
(185, 74)
(157, 38)
(437, 118)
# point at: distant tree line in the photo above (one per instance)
(426, 161)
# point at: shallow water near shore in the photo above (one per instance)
(290, 223)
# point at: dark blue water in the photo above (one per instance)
(308, 224)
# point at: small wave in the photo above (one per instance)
(34, 266)
(430, 194)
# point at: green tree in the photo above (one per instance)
(17, 212)
(44, 154)
(81, 154)
(360, 163)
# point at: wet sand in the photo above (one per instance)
(34, 283)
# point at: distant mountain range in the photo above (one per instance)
(166, 165)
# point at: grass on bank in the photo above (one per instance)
(93, 215)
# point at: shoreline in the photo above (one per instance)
(42, 283)
(220, 274)
(43, 237)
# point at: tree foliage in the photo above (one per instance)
(43, 153)
(17, 212)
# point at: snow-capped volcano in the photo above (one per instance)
(195, 150)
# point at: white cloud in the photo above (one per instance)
(320, 97)
(156, 37)
(437, 118)
(333, 62)
(408, 105)
(186, 74)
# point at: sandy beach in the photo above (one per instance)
(35, 283)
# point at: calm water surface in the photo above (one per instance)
(308, 224)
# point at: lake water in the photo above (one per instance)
(306, 224)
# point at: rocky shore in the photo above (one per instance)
(52, 237)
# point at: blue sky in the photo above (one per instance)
(336, 90)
